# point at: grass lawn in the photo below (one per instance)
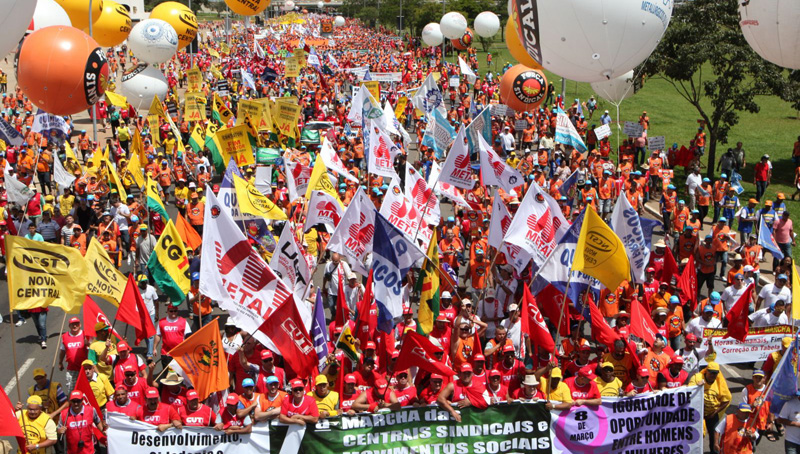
(772, 131)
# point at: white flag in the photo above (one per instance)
(353, 236)
(499, 224)
(382, 151)
(403, 214)
(259, 50)
(297, 177)
(290, 263)
(446, 189)
(418, 191)
(334, 162)
(465, 70)
(323, 209)
(567, 134)
(495, 171)
(60, 174)
(625, 223)
(16, 191)
(456, 169)
(428, 97)
(537, 226)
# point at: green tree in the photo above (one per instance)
(705, 57)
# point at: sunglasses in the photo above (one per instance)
(298, 389)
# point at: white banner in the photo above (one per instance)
(758, 345)
(382, 77)
(127, 436)
(602, 132)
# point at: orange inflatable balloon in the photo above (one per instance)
(465, 41)
(62, 70)
(523, 88)
(516, 48)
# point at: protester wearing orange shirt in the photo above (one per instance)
(478, 271)
(706, 261)
(608, 194)
(667, 204)
(680, 217)
(721, 233)
(450, 247)
(720, 189)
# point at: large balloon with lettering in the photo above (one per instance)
(113, 26)
(14, 21)
(247, 7)
(141, 83)
(616, 89)
(180, 17)
(78, 11)
(590, 41)
(516, 48)
(772, 28)
(522, 88)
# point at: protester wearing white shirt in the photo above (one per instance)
(770, 316)
(771, 293)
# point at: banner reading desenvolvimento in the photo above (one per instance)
(669, 421)
(514, 428)
(127, 437)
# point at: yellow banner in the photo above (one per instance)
(43, 274)
(258, 111)
(286, 118)
(292, 67)
(374, 88)
(251, 201)
(193, 110)
(117, 100)
(105, 280)
(400, 107)
(195, 78)
(233, 143)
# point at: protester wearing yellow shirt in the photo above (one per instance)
(607, 383)
(39, 429)
(101, 387)
(102, 350)
(560, 392)
(327, 400)
(716, 395)
(66, 202)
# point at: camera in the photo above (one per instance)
(81, 444)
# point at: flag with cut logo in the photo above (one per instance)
(169, 264)
(318, 332)
(285, 328)
(133, 311)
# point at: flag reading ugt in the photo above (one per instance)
(392, 256)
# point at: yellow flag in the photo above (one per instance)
(135, 168)
(251, 201)
(156, 108)
(105, 280)
(169, 264)
(795, 295)
(347, 343)
(43, 274)
(401, 106)
(117, 100)
(220, 112)
(233, 143)
(123, 194)
(71, 154)
(321, 181)
(213, 53)
(600, 253)
(137, 147)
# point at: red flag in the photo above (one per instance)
(738, 323)
(342, 311)
(550, 300)
(642, 324)
(93, 315)
(601, 332)
(83, 386)
(418, 351)
(285, 329)
(133, 311)
(8, 419)
(533, 323)
(670, 266)
(687, 283)
(367, 321)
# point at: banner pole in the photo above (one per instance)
(14, 350)
(60, 336)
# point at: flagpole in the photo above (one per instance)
(60, 335)
(14, 352)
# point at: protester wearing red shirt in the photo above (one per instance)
(405, 393)
(583, 387)
(122, 403)
(349, 395)
(582, 360)
(230, 419)
(76, 422)
(268, 369)
(529, 392)
(674, 373)
(640, 384)
(172, 393)
(479, 375)
(462, 393)
(161, 415)
(511, 368)
(431, 392)
(498, 392)
(134, 385)
(299, 408)
(74, 349)
(196, 414)
(124, 358)
(366, 375)
(171, 331)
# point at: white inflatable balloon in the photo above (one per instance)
(616, 89)
(47, 13)
(432, 34)
(14, 21)
(591, 41)
(153, 41)
(772, 28)
(289, 5)
(338, 21)
(487, 24)
(453, 25)
(141, 84)
(320, 5)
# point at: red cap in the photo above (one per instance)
(297, 383)
(151, 393)
(123, 347)
(232, 399)
(586, 372)
(643, 371)
(691, 337)
(74, 320)
(215, 188)
(437, 377)
(676, 360)
(466, 367)
(76, 395)
(442, 318)
(120, 386)
(192, 395)
(350, 378)
(508, 348)
(128, 368)
(478, 357)
(395, 354)
(651, 270)
(381, 383)
(266, 353)
(495, 373)
(370, 345)
(585, 348)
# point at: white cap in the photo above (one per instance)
(512, 307)
(446, 294)
(747, 268)
(490, 293)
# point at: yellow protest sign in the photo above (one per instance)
(374, 88)
(43, 274)
(258, 111)
(233, 143)
(300, 55)
(292, 67)
(251, 201)
(195, 78)
(401, 106)
(105, 280)
(193, 110)
(286, 118)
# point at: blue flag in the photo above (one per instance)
(566, 188)
(392, 257)
(319, 335)
(248, 80)
(736, 182)
(440, 136)
(10, 135)
(648, 225)
(767, 241)
(784, 386)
